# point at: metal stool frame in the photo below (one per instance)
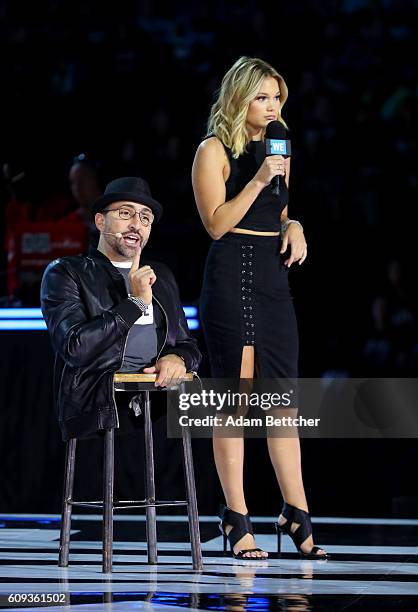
(150, 503)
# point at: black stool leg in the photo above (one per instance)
(108, 482)
(66, 505)
(191, 500)
(150, 483)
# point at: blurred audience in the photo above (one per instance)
(137, 86)
(85, 187)
(391, 343)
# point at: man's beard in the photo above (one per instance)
(123, 249)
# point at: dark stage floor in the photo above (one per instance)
(374, 566)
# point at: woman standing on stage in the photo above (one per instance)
(246, 306)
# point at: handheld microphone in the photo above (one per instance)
(277, 144)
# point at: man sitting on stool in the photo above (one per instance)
(106, 313)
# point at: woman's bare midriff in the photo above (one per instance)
(239, 230)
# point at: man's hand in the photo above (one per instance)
(298, 248)
(141, 279)
(170, 370)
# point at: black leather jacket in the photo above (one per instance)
(88, 314)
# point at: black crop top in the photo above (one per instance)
(264, 213)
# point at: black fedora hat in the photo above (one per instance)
(128, 189)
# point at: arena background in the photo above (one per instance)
(131, 86)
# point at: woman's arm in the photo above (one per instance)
(208, 181)
(285, 212)
(292, 231)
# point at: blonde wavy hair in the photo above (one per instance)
(239, 87)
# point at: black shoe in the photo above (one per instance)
(241, 525)
(296, 515)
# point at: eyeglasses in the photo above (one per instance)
(125, 213)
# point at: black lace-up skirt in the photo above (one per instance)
(246, 301)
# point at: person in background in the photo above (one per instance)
(85, 187)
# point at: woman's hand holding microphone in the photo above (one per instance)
(273, 165)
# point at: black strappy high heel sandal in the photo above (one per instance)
(296, 515)
(241, 525)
